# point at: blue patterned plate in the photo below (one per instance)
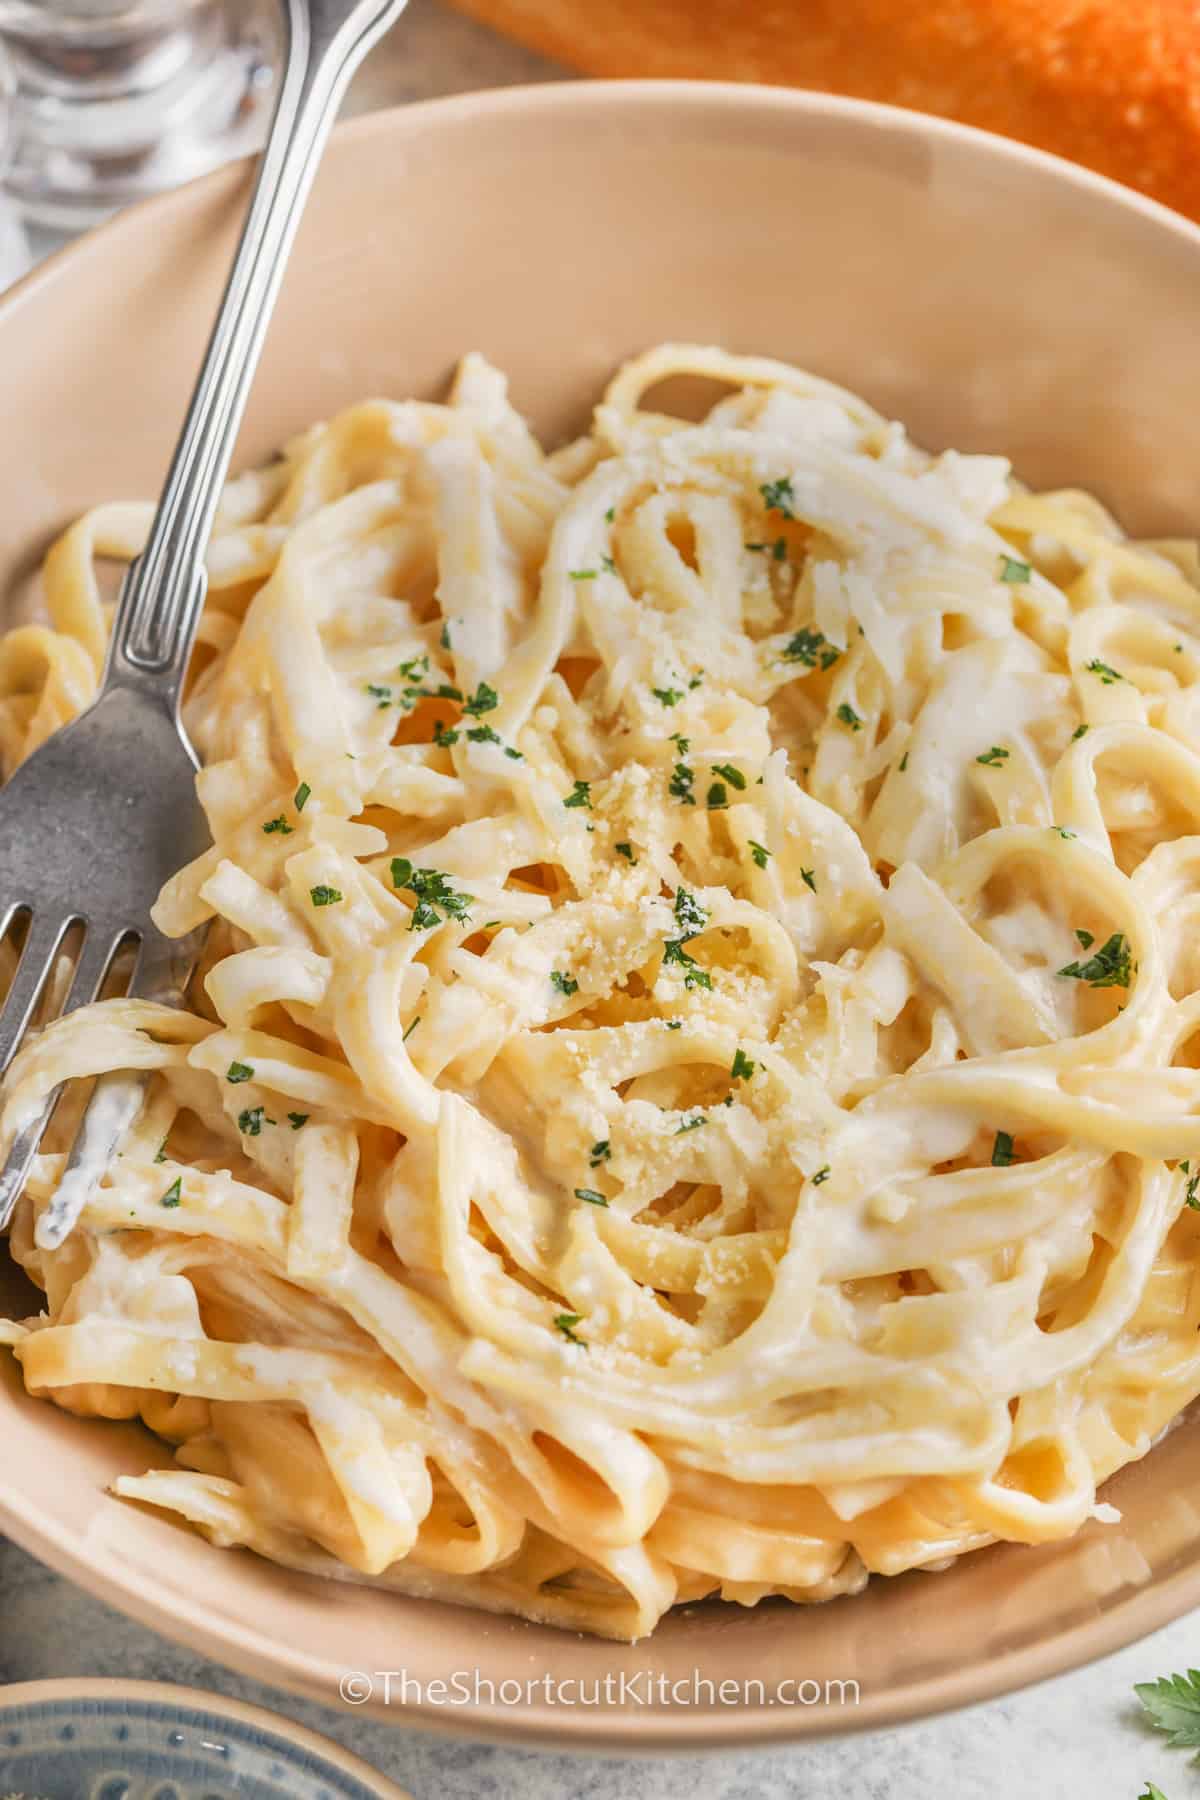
(143, 1740)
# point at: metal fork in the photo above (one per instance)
(92, 824)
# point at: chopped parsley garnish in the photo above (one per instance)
(778, 496)
(484, 699)
(600, 1153)
(760, 853)
(848, 716)
(608, 565)
(693, 975)
(692, 1124)
(174, 1193)
(580, 795)
(239, 1071)
(566, 984)
(904, 762)
(690, 916)
(809, 878)
(444, 640)
(436, 899)
(1078, 732)
(991, 759)
(483, 734)
(1104, 670)
(296, 1120)
(1062, 831)
(810, 648)
(280, 825)
(625, 850)
(252, 1120)
(716, 798)
(674, 1024)
(1110, 967)
(414, 668)
(382, 694)
(696, 681)
(610, 515)
(591, 1196)
(779, 550)
(741, 1069)
(514, 755)
(822, 1174)
(442, 737)
(410, 1028)
(302, 793)
(160, 1154)
(681, 783)
(1190, 1197)
(1086, 938)
(1002, 1150)
(325, 896)
(667, 696)
(728, 773)
(1013, 570)
(566, 1323)
(681, 743)
(583, 574)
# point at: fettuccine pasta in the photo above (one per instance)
(691, 1085)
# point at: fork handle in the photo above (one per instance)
(163, 592)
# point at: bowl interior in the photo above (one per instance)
(991, 298)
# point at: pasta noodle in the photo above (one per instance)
(692, 1084)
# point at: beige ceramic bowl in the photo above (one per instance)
(994, 299)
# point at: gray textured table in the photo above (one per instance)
(1079, 1736)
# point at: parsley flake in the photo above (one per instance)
(239, 1071)
(1104, 670)
(442, 737)
(692, 1124)
(674, 1024)
(991, 759)
(716, 798)
(693, 975)
(849, 717)
(280, 825)
(302, 794)
(1014, 571)
(599, 1153)
(1002, 1150)
(1086, 938)
(436, 899)
(1078, 732)
(484, 699)
(681, 783)
(1063, 831)
(809, 878)
(566, 1323)
(822, 1174)
(174, 1194)
(325, 896)
(591, 1196)
(566, 984)
(382, 694)
(580, 795)
(297, 1120)
(810, 648)
(252, 1120)
(667, 696)
(728, 773)
(759, 852)
(904, 762)
(583, 574)
(1110, 967)
(690, 916)
(741, 1069)
(626, 850)
(444, 640)
(778, 496)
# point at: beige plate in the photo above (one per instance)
(991, 297)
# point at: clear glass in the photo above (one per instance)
(116, 99)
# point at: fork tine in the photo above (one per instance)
(37, 957)
(95, 957)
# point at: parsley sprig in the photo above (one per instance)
(436, 899)
(1110, 967)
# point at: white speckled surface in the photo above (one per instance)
(1073, 1739)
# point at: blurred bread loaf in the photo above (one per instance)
(1114, 84)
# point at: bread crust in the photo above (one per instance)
(1113, 84)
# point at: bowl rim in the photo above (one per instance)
(236, 1644)
(22, 1695)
